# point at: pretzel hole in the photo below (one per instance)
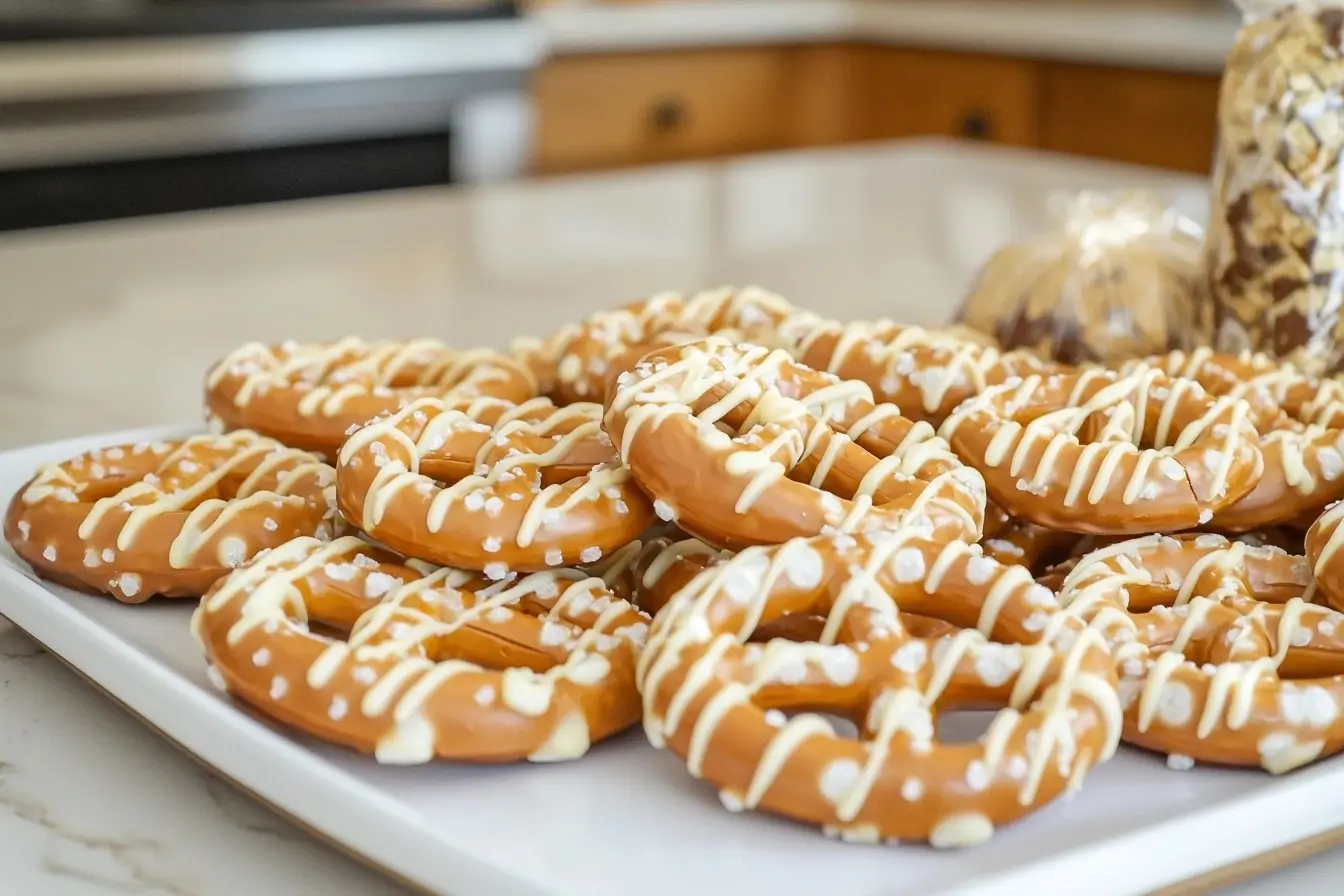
(962, 726)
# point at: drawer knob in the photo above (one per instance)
(668, 114)
(975, 125)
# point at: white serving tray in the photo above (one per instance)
(627, 818)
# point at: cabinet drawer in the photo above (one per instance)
(929, 93)
(1168, 119)
(627, 109)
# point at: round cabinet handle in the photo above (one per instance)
(975, 125)
(668, 114)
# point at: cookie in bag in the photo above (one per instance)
(1119, 276)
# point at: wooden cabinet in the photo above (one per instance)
(1168, 119)
(927, 93)
(614, 110)
(628, 109)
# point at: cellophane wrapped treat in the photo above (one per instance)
(1276, 225)
(1120, 275)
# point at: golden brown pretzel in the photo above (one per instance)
(1012, 541)
(167, 518)
(1324, 540)
(508, 515)
(926, 373)
(573, 363)
(308, 395)
(720, 703)
(1220, 658)
(431, 663)
(668, 564)
(740, 445)
(1303, 460)
(1027, 437)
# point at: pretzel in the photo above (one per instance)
(573, 363)
(167, 518)
(1221, 660)
(926, 373)
(1027, 438)
(665, 565)
(1303, 459)
(1012, 541)
(534, 500)
(308, 395)
(1324, 539)
(719, 702)
(430, 663)
(741, 445)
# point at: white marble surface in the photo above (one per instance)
(1191, 35)
(111, 326)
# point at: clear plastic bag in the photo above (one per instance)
(1276, 225)
(1119, 276)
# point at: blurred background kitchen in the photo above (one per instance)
(122, 108)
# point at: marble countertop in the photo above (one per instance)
(1190, 35)
(110, 326)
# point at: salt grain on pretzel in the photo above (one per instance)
(308, 395)
(431, 663)
(507, 515)
(1030, 439)
(167, 518)
(1220, 657)
(720, 702)
(741, 445)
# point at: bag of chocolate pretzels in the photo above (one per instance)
(1275, 246)
(1119, 275)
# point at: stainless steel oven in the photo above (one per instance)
(129, 107)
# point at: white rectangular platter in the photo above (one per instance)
(627, 818)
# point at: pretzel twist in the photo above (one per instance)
(1221, 659)
(789, 451)
(573, 364)
(1027, 438)
(1302, 438)
(926, 373)
(719, 702)
(504, 516)
(167, 518)
(309, 395)
(432, 663)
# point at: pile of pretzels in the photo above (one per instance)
(785, 544)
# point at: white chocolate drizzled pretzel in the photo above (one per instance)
(720, 702)
(504, 516)
(309, 394)
(1324, 540)
(1299, 418)
(927, 373)
(1221, 658)
(573, 363)
(1064, 451)
(433, 663)
(167, 518)
(789, 451)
